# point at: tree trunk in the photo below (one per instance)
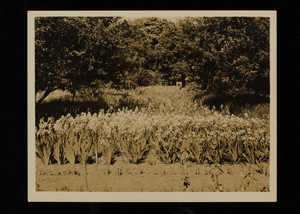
(46, 93)
(94, 90)
(183, 80)
(73, 96)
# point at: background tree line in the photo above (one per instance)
(227, 55)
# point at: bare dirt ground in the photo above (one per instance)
(121, 177)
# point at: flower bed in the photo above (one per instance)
(214, 138)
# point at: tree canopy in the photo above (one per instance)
(227, 55)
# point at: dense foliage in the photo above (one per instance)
(228, 55)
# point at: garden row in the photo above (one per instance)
(134, 134)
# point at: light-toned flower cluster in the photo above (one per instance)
(209, 137)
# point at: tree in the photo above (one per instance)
(228, 55)
(74, 52)
(151, 54)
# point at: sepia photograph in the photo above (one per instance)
(152, 106)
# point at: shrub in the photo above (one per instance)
(237, 105)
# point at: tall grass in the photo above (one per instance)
(155, 99)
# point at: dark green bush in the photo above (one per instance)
(236, 105)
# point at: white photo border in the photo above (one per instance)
(36, 196)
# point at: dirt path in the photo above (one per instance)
(122, 177)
